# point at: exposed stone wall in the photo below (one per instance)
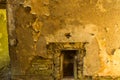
(54, 52)
(35, 23)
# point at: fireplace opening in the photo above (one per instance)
(69, 63)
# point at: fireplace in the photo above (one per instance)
(67, 59)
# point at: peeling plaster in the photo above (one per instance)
(41, 10)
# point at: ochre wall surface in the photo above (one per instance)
(35, 23)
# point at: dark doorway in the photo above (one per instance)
(69, 63)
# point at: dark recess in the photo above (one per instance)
(2, 4)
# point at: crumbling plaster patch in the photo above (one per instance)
(41, 10)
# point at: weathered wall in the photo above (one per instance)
(35, 23)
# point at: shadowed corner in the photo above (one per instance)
(2, 4)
